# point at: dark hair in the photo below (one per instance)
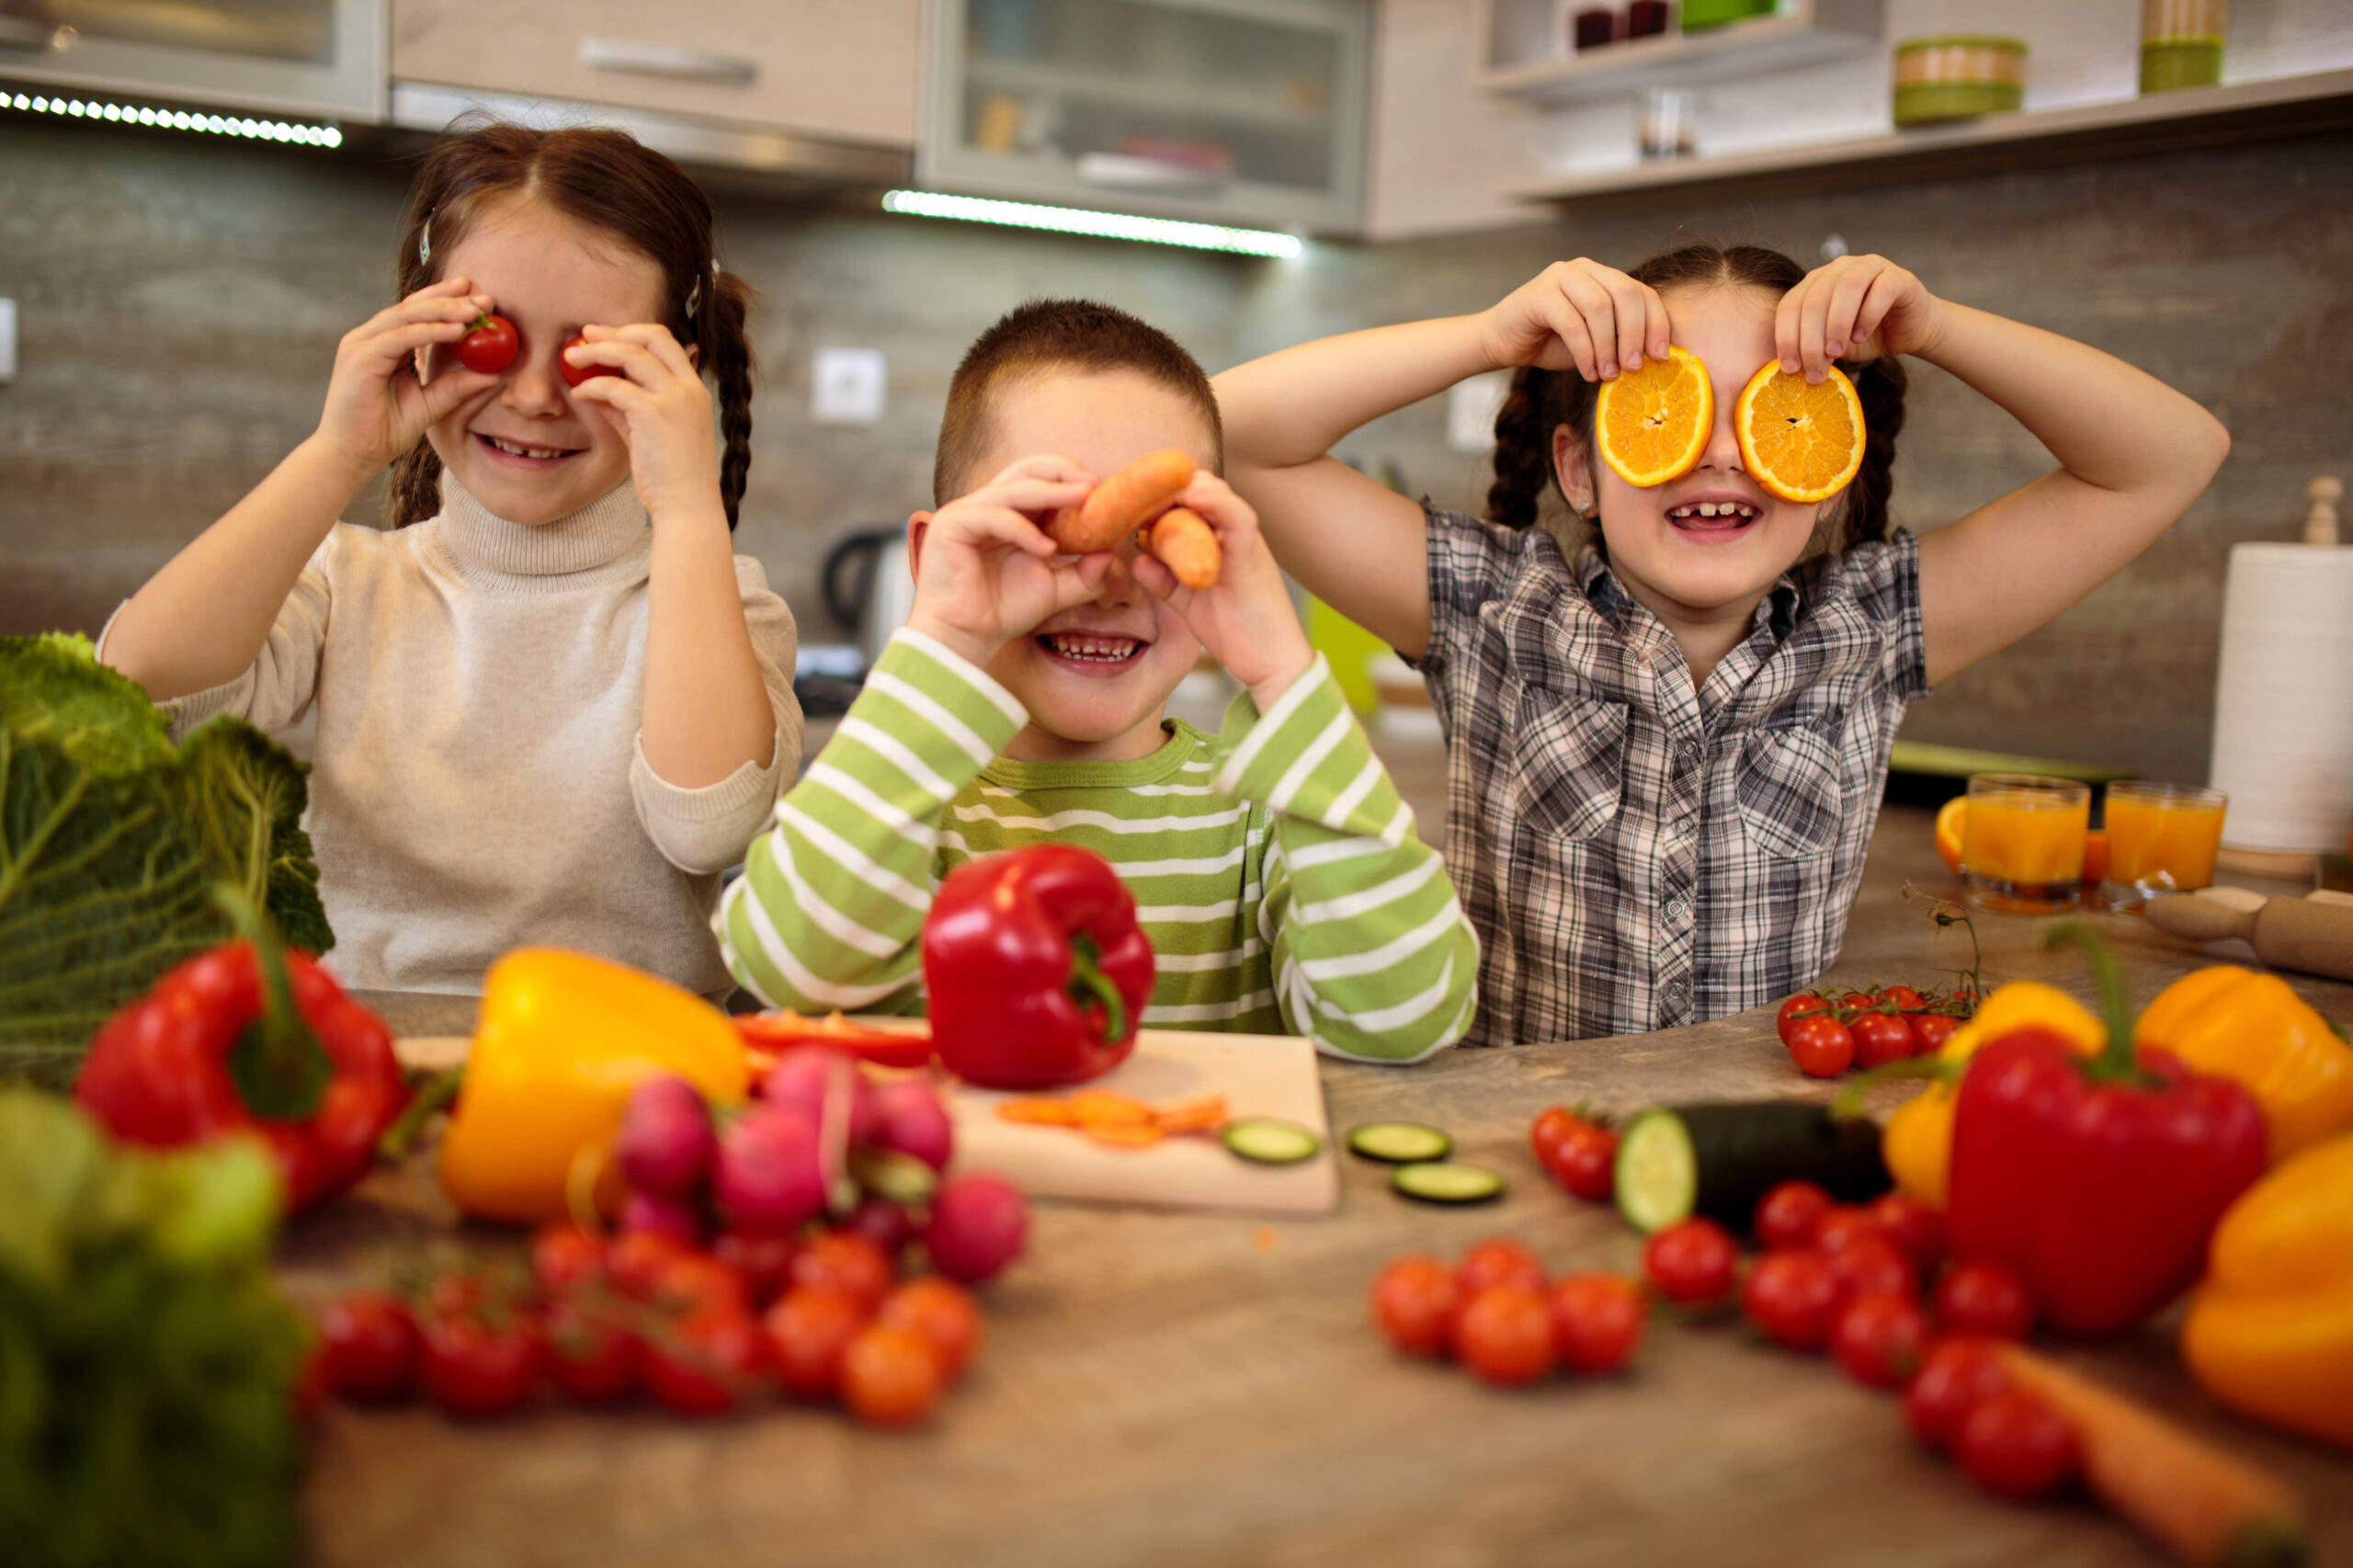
(1048, 334)
(611, 183)
(1542, 401)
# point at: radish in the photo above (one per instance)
(806, 1075)
(976, 1227)
(909, 1116)
(771, 1177)
(672, 1217)
(664, 1144)
(887, 1224)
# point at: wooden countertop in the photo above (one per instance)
(1191, 1389)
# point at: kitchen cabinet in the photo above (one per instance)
(1527, 51)
(843, 70)
(1246, 111)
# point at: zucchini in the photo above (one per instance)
(1443, 1181)
(1718, 1160)
(1399, 1142)
(1268, 1142)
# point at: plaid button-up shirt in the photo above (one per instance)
(1635, 852)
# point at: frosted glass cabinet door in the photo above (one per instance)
(1230, 111)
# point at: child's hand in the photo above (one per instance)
(985, 572)
(662, 409)
(1857, 307)
(376, 407)
(1245, 619)
(1577, 313)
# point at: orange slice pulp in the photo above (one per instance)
(1652, 423)
(1800, 440)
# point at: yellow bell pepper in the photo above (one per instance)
(2252, 1029)
(2271, 1331)
(561, 1040)
(1918, 1141)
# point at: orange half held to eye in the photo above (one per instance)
(1800, 440)
(1653, 424)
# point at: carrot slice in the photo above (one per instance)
(1193, 1116)
(1040, 1113)
(1121, 1135)
(1109, 1107)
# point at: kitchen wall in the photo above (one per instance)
(180, 302)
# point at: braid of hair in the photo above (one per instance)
(1523, 448)
(415, 486)
(727, 352)
(1880, 385)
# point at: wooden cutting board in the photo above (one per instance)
(1272, 1076)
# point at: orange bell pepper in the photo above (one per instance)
(2237, 1024)
(561, 1040)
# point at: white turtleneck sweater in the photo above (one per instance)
(477, 782)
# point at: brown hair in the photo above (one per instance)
(1542, 401)
(1051, 334)
(610, 182)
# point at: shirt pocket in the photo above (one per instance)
(1788, 792)
(1568, 762)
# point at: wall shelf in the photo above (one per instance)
(1806, 32)
(2192, 117)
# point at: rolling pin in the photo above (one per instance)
(2314, 935)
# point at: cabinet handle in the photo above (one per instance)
(661, 60)
(26, 32)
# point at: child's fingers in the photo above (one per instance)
(1038, 496)
(616, 394)
(655, 339)
(1233, 520)
(1158, 581)
(1597, 309)
(1567, 324)
(1845, 304)
(390, 350)
(634, 361)
(1814, 319)
(1886, 289)
(445, 392)
(1046, 466)
(974, 524)
(1629, 327)
(1078, 580)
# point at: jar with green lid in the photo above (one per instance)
(1699, 15)
(1958, 77)
(2181, 43)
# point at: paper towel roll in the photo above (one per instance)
(2283, 705)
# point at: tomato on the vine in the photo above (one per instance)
(706, 1363)
(2015, 1445)
(489, 345)
(1580, 1153)
(1905, 998)
(1930, 1030)
(1414, 1300)
(1880, 1038)
(1791, 1297)
(369, 1348)
(1505, 1335)
(1498, 1261)
(1984, 1299)
(1691, 1263)
(482, 1364)
(1597, 1320)
(1880, 1340)
(1860, 1001)
(1804, 1004)
(1787, 1215)
(566, 1258)
(592, 1355)
(1821, 1046)
(1956, 1375)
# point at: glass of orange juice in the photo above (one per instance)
(2022, 841)
(2161, 838)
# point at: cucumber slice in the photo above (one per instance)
(1271, 1142)
(1718, 1160)
(1399, 1142)
(1444, 1181)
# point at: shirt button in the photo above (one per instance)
(1672, 909)
(1691, 751)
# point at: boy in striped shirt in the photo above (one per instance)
(1274, 867)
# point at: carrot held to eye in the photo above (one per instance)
(1122, 504)
(1184, 540)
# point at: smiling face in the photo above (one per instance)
(1705, 545)
(523, 448)
(1094, 678)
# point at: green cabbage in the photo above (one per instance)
(110, 841)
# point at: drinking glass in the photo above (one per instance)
(2161, 838)
(2022, 841)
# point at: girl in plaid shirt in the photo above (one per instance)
(1666, 742)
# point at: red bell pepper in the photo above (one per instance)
(226, 1044)
(769, 1035)
(2098, 1179)
(1036, 970)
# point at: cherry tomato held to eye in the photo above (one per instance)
(574, 374)
(1597, 1320)
(1414, 1300)
(1880, 1038)
(1821, 1046)
(1691, 1263)
(490, 346)
(1986, 1299)
(2015, 1445)
(1787, 1215)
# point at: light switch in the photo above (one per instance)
(848, 386)
(7, 340)
(1470, 409)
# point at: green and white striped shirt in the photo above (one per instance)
(1275, 870)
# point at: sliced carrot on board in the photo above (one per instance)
(1122, 1135)
(1109, 1107)
(1193, 1116)
(1040, 1113)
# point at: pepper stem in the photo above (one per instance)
(280, 1068)
(1090, 984)
(432, 1095)
(2114, 1063)
(1849, 1103)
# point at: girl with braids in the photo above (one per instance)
(1668, 725)
(553, 704)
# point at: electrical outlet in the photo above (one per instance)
(1471, 406)
(7, 340)
(848, 386)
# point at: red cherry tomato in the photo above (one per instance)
(696, 1285)
(592, 1355)
(808, 1331)
(762, 1263)
(1955, 1375)
(369, 1348)
(847, 1263)
(566, 1258)
(1791, 1297)
(574, 374)
(1787, 1215)
(1872, 1266)
(1862, 1001)
(1414, 1300)
(890, 1377)
(1505, 1335)
(482, 1364)
(2015, 1445)
(1880, 1038)
(1498, 1261)
(490, 346)
(1930, 1030)
(1917, 1230)
(1821, 1046)
(706, 1364)
(1880, 1340)
(635, 1257)
(1843, 1226)
(939, 1312)
(1691, 1263)
(1804, 1004)
(1903, 996)
(1597, 1320)
(1986, 1299)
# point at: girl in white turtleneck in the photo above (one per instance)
(553, 704)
